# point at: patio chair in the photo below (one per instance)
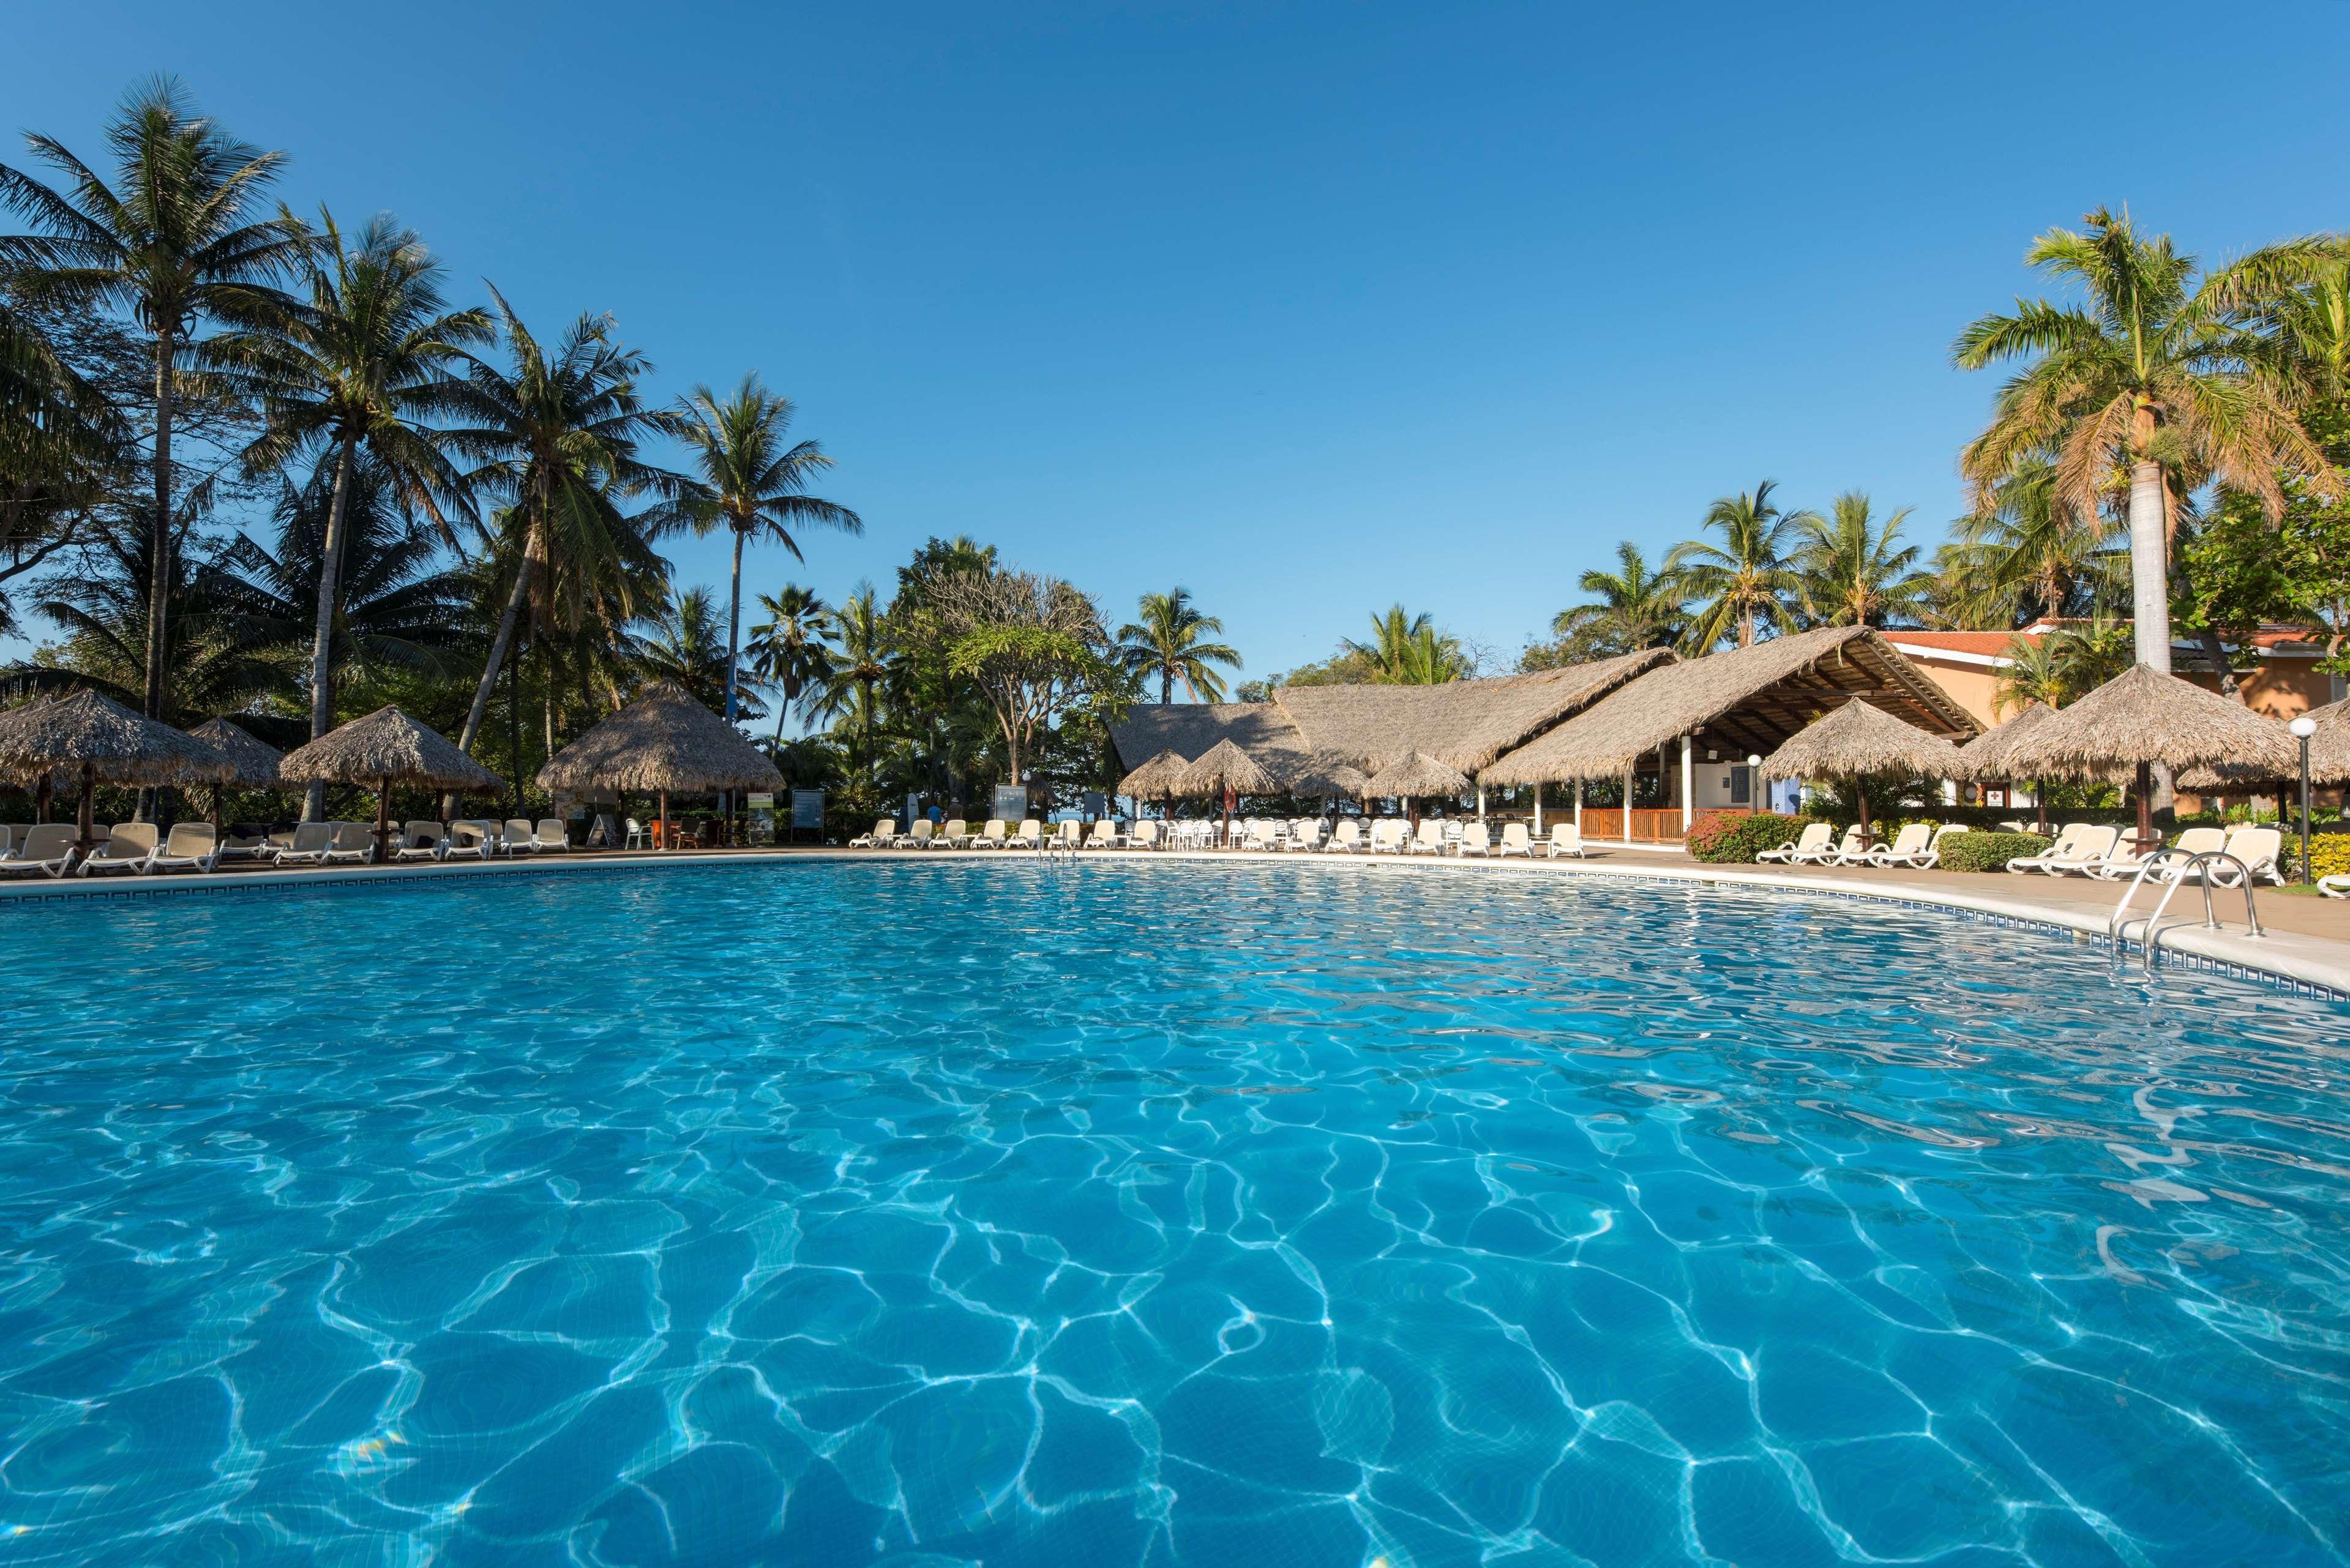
(1812, 842)
(1030, 837)
(1388, 835)
(1829, 855)
(884, 834)
(1903, 847)
(126, 848)
(192, 845)
(553, 834)
(468, 840)
(1566, 838)
(1346, 838)
(920, 838)
(421, 840)
(1514, 841)
(2123, 866)
(1104, 836)
(2067, 846)
(2097, 846)
(307, 845)
(1476, 838)
(517, 836)
(2260, 848)
(235, 846)
(1429, 839)
(994, 836)
(46, 848)
(1306, 834)
(1069, 834)
(638, 837)
(12, 838)
(1263, 835)
(352, 841)
(955, 834)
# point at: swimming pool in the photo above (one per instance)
(1167, 1214)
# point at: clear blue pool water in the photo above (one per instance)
(1172, 1215)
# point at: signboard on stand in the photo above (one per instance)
(1011, 802)
(807, 813)
(761, 808)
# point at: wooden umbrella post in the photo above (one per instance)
(43, 795)
(383, 820)
(2147, 837)
(1860, 794)
(88, 840)
(664, 820)
(1228, 815)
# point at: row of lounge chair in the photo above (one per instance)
(1387, 835)
(2081, 849)
(51, 848)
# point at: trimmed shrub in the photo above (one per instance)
(1736, 838)
(1988, 851)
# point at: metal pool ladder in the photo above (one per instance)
(2150, 938)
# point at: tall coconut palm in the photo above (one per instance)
(1748, 580)
(1856, 570)
(861, 662)
(2031, 674)
(1407, 649)
(60, 441)
(2149, 382)
(678, 643)
(350, 366)
(177, 239)
(1635, 606)
(789, 650)
(2030, 557)
(555, 436)
(1169, 641)
(753, 485)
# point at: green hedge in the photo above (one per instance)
(1725, 838)
(1988, 851)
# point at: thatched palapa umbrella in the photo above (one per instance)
(1156, 779)
(256, 761)
(383, 749)
(1329, 774)
(2329, 759)
(108, 744)
(1861, 741)
(1986, 756)
(1224, 769)
(1413, 777)
(664, 742)
(2143, 717)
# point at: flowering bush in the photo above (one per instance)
(1736, 838)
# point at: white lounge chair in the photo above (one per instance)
(1104, 836)
(468, 840)
(1148, 834)
(12, 838)
(1476, 838)
(2334, 886)
(46, 849)
(351, 842)
(192, 845)
(994, 836)
(955, 834)
(421, 840)
(2097, 846)
(1849, 844)
(884, 834)
(1906, 846)
(1514, 841)
(248, 846)
(1388, 835)
(1346, 839)
(1030, 837)
(1306, 834)
(1069, 834)
(638, 837)
(920, 838)
(1566, 838)
(515, 833)
(2067, 846)
(1263, 835)
(1429, 839)
(308, 845)
(2123, 865)
(2260, 848)
(552, 835)
(125, 849)
(1858, 849)
(1812, 842)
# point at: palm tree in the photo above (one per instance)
(753, 484)
(175, 241)
(2030, 557)
(1407, 649)
(1167, 642)
(788, 648)
(60, 441)
(861, 662)
(681, 645)
(1637, 607)
(2151, 382)
(1856, 571)
(557, 436)
(1748, 578)
(2031, 674)
(346, 369)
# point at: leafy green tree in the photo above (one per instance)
(60, 446)
(177, 240)
(1169, 641)
(789, 649)
(1857, 572)
(1748, 580)
(753, 485)
(2030, 557)
(352, 365)
(1032, 645)
(2149, 382)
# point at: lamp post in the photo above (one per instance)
(1755, 801)
(2301, 730)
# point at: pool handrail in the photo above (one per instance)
(2151, 939)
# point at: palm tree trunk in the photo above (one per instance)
(330, 566)
(160, 573)
(733, 624)
(1166, 685)
(2149, 571)
(489, 681)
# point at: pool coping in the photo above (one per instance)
(2302, 963)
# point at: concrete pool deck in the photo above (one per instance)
(2308, 942)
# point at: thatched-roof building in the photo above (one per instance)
(99, 740)
(255, 763)
(665, 742)
(1225, 767)
(1155, 779)
(1413, 776)
(1192, 729)
(387, 747)
(1861, 741)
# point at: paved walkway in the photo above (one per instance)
(2308, 941)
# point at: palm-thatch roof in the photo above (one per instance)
(1154, 780)
(1748, 700)
(1225, 766)
(1416, 777)
(1861, 740)
(1326, 774)
(256, 761)
(2145, 716)
(118, 746)
(666, 742)
(1985, 756)
(2329, 758)
(1464, 724)
(385, 745)
(1192, 730)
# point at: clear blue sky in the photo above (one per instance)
(1308, 307)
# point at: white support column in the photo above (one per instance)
(1578, 806)
(1480, 803)
(1627, 806)
(1538, 789)
(1689, 785)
